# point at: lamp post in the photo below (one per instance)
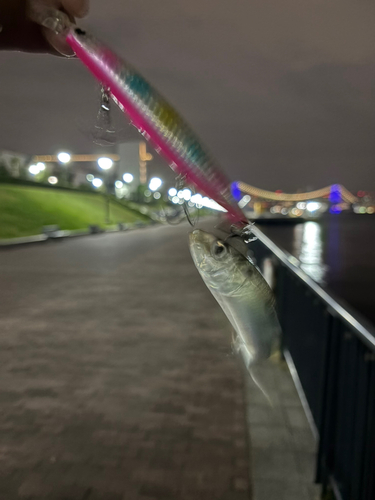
(106, 164)
(64, 158)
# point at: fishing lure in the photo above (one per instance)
(149, 112)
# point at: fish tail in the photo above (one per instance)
(251, 364)
(260, 385)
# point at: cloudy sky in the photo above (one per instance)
(281, 91)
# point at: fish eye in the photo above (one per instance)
(219, 250)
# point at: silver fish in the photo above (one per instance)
(242, 293)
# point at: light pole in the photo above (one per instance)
(64, 159)
(106, 164)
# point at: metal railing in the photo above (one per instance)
(331, 356)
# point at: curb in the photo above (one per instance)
(60, 235)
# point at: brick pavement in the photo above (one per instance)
(283, 449)
(116, 375)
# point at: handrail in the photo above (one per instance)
(367, 334)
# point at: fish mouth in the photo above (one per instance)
(195, 236)
(196, 246)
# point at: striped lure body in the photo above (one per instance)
(156, 120)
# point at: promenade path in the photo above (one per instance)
(117, 379)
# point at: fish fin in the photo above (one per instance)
(235, 344)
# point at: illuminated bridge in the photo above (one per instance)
(335, 193)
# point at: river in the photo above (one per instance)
(337, 251)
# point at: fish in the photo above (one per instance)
(156, 120)
(242, 293)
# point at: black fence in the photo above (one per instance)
(332, 357)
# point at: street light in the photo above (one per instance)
(128, 178)
(34, 170)
(53, 180)
(97, 182)
(186, 193)
(155, 183)
(64, 157)
(105, 163)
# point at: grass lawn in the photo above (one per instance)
(25, 210)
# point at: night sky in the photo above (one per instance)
(282, 92)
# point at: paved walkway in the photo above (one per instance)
(283, 449)
(116, 376)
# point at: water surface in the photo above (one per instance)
(338, 252)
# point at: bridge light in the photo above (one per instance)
(312, 206)
(244, 201)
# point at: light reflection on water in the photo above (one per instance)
(308, 246)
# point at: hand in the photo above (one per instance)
(19, 32)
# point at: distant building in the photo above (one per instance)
(14, 163)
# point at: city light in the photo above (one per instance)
(155, 183)
(199, 201)
(157, 195)
(186, 193)
(128, 178)
(34, 170)
(119, 184)
(312, 206)
(148, 193)
(244, 201)
(297, 212)
(236, 192)
(96, 182)
(105, 163)
(197, 198)
(64, 157)
(172, 192)
(90, 177)
(53, 179)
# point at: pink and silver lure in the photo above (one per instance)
(156, 120)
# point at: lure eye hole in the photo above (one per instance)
(219, 250)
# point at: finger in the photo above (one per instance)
(58, 42)
(77, 8)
